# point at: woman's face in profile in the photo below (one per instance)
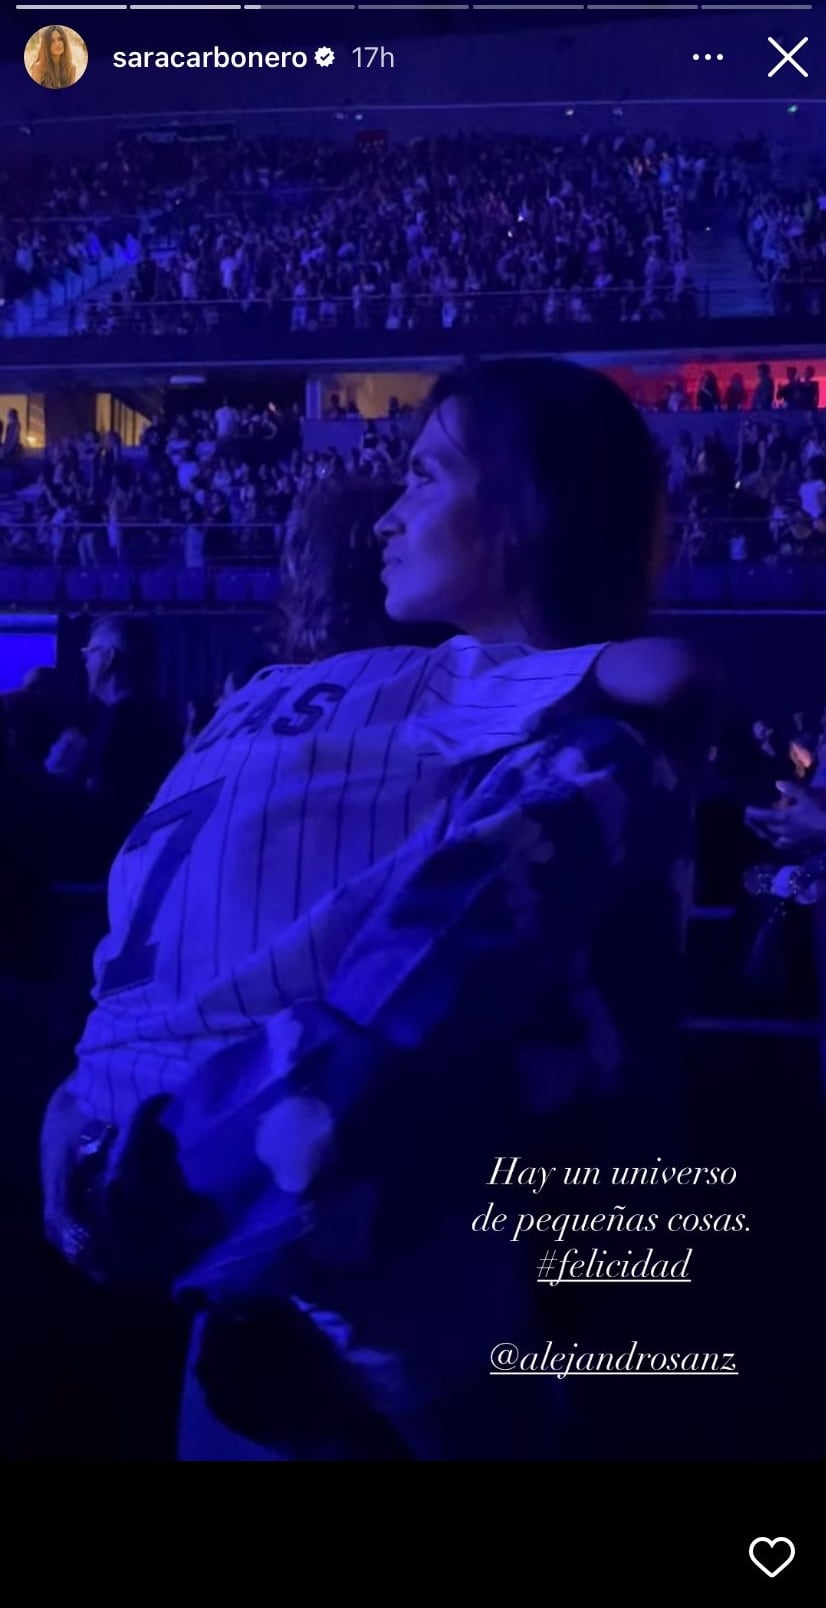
(56, 45)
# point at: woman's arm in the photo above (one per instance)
(673, 689)
(651, 672)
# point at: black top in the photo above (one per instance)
(132, 746)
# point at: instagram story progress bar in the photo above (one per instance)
(504, 6)
(301, 6)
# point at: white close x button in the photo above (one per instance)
(787, 57)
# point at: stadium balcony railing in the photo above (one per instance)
(430, 311)
(729, 584)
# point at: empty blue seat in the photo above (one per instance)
(157, 586)
(232, 586)
(816, 582)
(116, 585)
(190, 586)
(707, 583)
(263, 585)
(82, 586)
(746, 585)
(12, 583)
(790, 584)
(674, 585)
(768, 586)
(43, 584)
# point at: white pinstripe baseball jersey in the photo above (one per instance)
(238, 891)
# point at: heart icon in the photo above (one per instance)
(764, 1541)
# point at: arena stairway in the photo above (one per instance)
(720, 259)
(54, 321)
(47, 312)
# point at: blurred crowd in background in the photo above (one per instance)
(222, 484)
(466, 230)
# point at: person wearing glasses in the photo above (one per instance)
(107, 775)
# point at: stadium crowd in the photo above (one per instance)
(453, 230)
(461, 230)
(765, 502)
(785, 230)
(221, 484)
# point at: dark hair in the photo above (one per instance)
(331, 597)
(570, 468)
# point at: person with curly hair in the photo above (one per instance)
(331, 598)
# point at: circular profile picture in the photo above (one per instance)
(56, 57)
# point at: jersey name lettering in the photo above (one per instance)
(254, 717)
